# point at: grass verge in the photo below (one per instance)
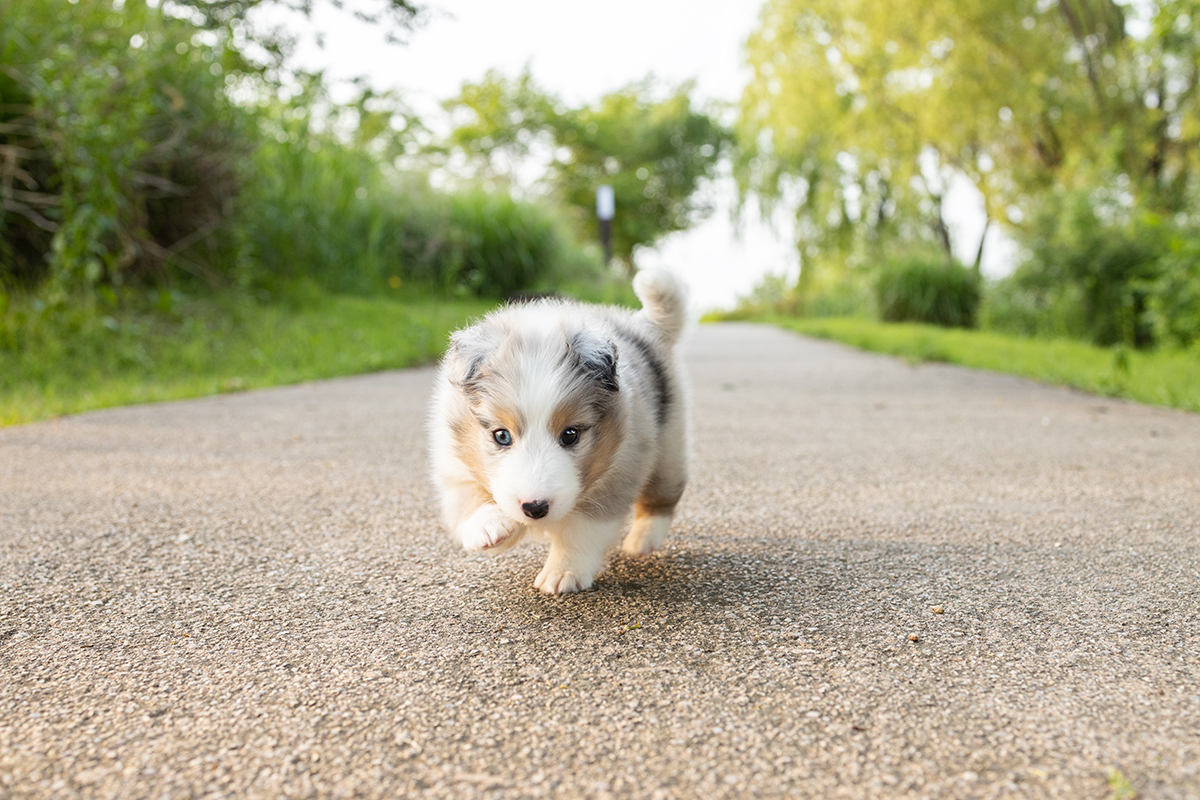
(1164, 377)
(83, 361)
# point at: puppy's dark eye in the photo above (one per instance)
(568, 437)
(502, 437)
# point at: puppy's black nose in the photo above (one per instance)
(537, 509)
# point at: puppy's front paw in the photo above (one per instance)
(487, 528)
(556, 580)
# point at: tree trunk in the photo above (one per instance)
(987, 221)
(939, 228)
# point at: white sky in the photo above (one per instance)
(580, 51)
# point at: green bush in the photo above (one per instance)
(123, 144)
(325, 209)
(1089, 263)
(501, 245)
(927, 289)
(1173, 296)
(1012, 306)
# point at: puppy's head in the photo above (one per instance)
(546, 422)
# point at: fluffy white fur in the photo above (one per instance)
(556, 418)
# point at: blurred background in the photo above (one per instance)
(182, 170)
(578, 53)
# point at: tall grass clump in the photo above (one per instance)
(121, 148)
(328, 210)
(929, 290)
(502, 245)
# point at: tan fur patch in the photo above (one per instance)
(574, 411)
(508, 418)
(464, 430)
(607, 435)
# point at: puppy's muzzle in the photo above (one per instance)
(536, 509)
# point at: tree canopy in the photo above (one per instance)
(654, 147)
(859, 114)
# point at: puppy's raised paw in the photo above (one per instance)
(555, 580)
(487, 528)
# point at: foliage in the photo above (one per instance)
(1173, 297)
(500, 124)
(126, 162)
(1166, 378)
(1081, 251)
(1018, 306)
(121, 149)
(654, 149)
(328, 211)
(859, 116)
(160, 239)
(927, 289)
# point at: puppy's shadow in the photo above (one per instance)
(687, 577)
(758, 581)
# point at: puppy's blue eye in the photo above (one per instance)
(502, 437)
(568, 437)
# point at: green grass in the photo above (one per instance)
(54, 365)
(1164, 377)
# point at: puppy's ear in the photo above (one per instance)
(597, 356)
(469, 351)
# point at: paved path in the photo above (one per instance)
(248, 596)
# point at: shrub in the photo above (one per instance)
(327, 210)
(1173, 297)
(931, 290)
(122, 145)
(501, 245)
(1098, 256)
(1012, 306)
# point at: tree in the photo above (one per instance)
(864, 114)
(654, 148)
(501, 125)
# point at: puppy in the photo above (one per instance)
(554, 418)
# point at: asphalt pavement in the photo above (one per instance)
(885, 580)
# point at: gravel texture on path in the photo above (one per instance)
(884, 581)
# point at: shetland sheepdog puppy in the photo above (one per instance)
(555, 418)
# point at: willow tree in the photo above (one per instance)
(860, 114)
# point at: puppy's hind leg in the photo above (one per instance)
(648, 530)
(656, 504)
(654, 512)
(576, 555)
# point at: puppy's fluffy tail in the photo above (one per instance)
(664, 301)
